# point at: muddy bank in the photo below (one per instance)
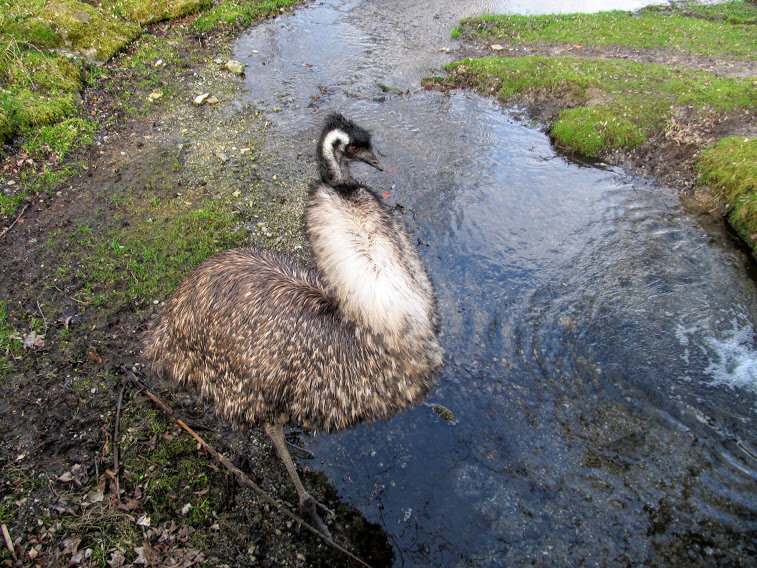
(85, 267)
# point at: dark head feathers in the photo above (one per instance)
(358, 136)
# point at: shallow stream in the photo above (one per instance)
(600, 339)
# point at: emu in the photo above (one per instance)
(271, 341)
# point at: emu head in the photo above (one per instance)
(341, 143)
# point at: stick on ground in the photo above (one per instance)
(238, 474)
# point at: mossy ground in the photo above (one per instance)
(730, 166)
(649, 90)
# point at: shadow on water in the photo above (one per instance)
(601, 364)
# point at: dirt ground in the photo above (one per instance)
(59, 399)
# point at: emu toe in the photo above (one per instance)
(309, 509)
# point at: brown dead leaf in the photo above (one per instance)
(34, 341)
(93, 356)
(66, 477)
(117, 559)
(128, 504)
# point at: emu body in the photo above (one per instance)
(272, 341)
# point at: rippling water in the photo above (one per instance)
(600, 341)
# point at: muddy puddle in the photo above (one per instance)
(601, 364)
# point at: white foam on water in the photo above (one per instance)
(734, 360)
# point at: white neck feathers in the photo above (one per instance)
(371, 267)
(330, 141)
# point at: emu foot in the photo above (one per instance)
(309, 509)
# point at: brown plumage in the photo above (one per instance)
(271, 341)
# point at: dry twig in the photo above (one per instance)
(9, 227)
(116, 434)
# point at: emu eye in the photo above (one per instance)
(355, 149)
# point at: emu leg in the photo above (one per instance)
(307, 503)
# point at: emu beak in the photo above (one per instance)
(369, 158)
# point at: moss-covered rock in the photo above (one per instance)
(149, 11)
(96, 34)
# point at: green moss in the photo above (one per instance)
(61, 137)
(149, 11)
(230, 13)
(597, 129)
(181, 484)
(636, 99)
(29, 109)
(97, 34)
(674, 29)
(7, 127)
(730, 166)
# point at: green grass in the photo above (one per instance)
(147, 258)
(149, 11)
(40, 88)
(631, 100)
(10, 345)
(730, 166)
(233, 13)
(731, 36)
(734, 12)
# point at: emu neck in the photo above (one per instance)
(333, 165)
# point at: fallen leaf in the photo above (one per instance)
(140, 555)
(95, 497)
(129, 504)
(117, 559)
(93, 356)
(143, 521)
(34, 341)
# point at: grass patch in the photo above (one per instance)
(149, 11)
(10, 345)
(178, 479)
(722, 30)
(734, 12)
(730, 166)
(232, 13)
(636, 99)
(60, 138)
(594, 129)
(146, 259)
